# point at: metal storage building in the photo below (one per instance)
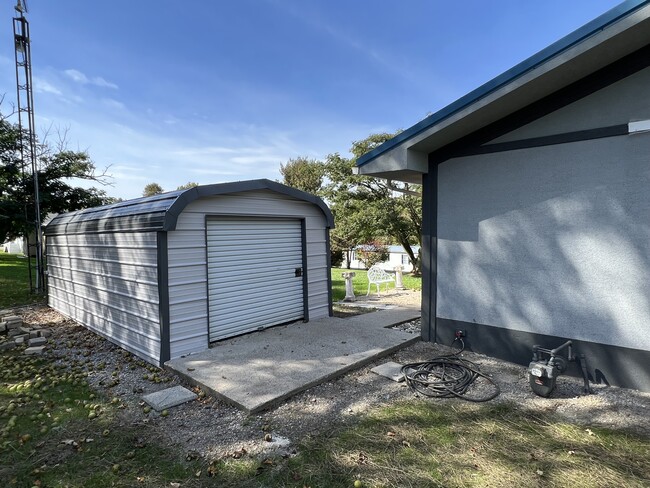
(164, 276)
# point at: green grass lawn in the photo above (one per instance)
(420, 443)
(361, 283)
(14, 281)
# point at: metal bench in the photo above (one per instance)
(377, 276)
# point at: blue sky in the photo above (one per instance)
(214, 91)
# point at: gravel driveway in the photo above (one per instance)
(210, 428)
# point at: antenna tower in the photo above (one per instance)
(25, 102)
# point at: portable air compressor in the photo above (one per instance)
(543, 372)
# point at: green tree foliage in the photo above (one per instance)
(186, 186)
(151, 189)
(372, 253)
(56, 168)
(367, 209)
(304, 174)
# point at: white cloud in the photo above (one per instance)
(43, 86)
(99, 81)
(79, 77)
(109, 102)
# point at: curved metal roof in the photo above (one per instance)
(160, 212)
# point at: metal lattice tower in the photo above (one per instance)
(25, 105)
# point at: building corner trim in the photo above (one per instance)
(163, 297)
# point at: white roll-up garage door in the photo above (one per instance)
(255, 268)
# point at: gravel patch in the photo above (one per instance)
(207, 427)
(412, 327)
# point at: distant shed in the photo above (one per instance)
(164, 276)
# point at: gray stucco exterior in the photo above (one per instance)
(136, 272)
(552, 240)
(536, 222)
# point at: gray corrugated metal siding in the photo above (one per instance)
(108, 283)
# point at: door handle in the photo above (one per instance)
(298, 272)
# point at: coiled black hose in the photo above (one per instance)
(447, 377)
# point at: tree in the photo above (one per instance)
(368, 208)
(304, 174)
(151, 189)
(372, 253)
(56, 167)
(186, 186)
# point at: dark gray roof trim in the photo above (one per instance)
(160, 212)
(192, 194)
(586, 31)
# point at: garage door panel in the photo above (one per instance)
(230, 301)
(237, 327)
(256, 287)
(278, 258)
(235, 275)
(251, 274)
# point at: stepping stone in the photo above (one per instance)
(35, 350)
(37, 341)
(390, 370)
(169, 397)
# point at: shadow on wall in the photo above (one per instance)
(552, 240)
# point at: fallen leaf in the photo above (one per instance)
(391, 434)
(238, 454)
(540, 472)
(173, 484)
(213, 470)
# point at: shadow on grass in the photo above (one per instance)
(464, 445)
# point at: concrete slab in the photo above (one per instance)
(260, 370)
(390, 370)
(169, 397)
